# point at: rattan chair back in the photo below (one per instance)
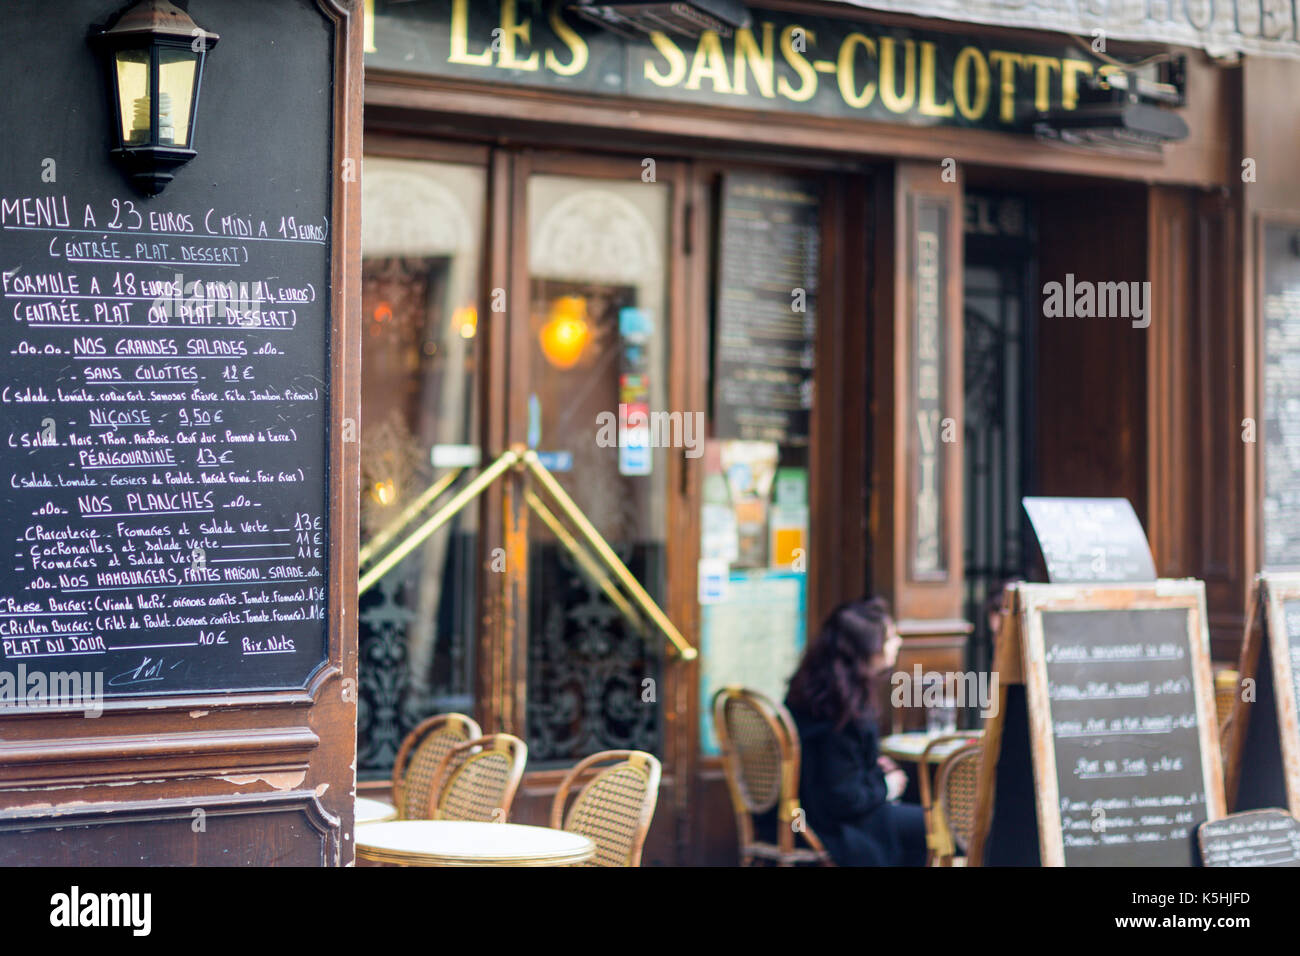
(419, 757)
(760, 757)
(750, 734)
(955, 784)
(614, 808)
(477, 780)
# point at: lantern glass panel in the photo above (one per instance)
(133, 91)
(176, 75)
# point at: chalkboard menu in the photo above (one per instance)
(770, 238)
(1124, 742)
(1096, 540)
(1281, 432)
(163, 455)
(1257, 838)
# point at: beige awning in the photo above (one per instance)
(1220, 27)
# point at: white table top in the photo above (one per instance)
(459, 843)
(374, 811)
(913, 743)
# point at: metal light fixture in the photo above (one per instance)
(1121, 110)
(689, 18)
(155, 55)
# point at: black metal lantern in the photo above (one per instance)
(154, 54)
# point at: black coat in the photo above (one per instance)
(843, 792)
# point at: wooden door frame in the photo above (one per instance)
(839, 446)
(504, 703)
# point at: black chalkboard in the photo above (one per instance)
(1124, 745)
(768, 262)
(164, 456)
(1256, 838)
(1090, 540)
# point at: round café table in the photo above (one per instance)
(908, 747)
(461, 843)
(374, 811)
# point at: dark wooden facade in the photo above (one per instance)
(1153, 415)
(222, 778)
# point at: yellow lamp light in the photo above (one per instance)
(385, 492)
(465, 319)
(566, 332)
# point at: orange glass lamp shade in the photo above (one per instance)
(384, 492)
(566, 332)
(465, 319)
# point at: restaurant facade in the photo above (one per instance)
(572, 361)
(797, 309)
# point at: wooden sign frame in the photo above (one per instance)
(1020, 733)
(1265, 659)
(270, 773)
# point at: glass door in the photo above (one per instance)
(422, 243)
(593, 339)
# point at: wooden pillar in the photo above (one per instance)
(1197, 508)
(916, 500)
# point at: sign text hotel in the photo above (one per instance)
(1270, 27)
(783, 62)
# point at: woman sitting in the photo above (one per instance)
(847, 789)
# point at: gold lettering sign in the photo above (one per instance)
(782, 61)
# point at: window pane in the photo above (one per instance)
(421, 264)
(133, 93)
(598, 311)
(755, 511)
(176, 90)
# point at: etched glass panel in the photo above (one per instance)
(422, 238)
(598, 313)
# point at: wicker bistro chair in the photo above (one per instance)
(950, 812)
(937, 838)
(1226, 683)
(477, 780)
(760, 756)
(614, 808)
(419, 756)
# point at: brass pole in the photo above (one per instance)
(409, 513)
(589, 566)
(438, 519)
(606, 553)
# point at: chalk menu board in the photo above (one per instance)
(1097, 540)
(769, 257)
(1281, 382)
(163, 454)
(1126, 753)
(1257, 838)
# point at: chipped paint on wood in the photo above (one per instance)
(277, 781)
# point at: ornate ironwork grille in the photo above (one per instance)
(1000, 276)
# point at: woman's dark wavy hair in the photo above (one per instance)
(831, 682)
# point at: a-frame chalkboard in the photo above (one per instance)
(1262, 746)
(1104, 750)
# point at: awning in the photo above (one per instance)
(1220, 27)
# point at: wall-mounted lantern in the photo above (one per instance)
(154, 54)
